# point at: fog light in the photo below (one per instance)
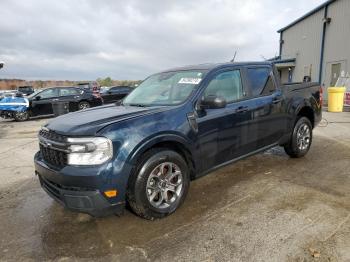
(111, 193)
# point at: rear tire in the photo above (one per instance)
(301, 139)
(159, 184)
(21, 116)
(83, 105)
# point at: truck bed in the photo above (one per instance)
(299, 85)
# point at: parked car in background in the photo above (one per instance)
(92, 86)
(177, 125)
(25, 90)
(114, 93)
(78, 99)
(41, 102)
(7, 93)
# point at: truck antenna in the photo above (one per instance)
(234, 57)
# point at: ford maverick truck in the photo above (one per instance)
(176, 126)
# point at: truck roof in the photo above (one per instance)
(211, 66)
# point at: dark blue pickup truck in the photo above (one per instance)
(176, 126)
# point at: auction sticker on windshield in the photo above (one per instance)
(190, 80)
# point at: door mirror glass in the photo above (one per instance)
(37, 98)
(213, 102)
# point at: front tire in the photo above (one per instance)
(159, 184)
(301, 139)
(21, 116)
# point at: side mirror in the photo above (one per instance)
(37, 98)
(213, 102)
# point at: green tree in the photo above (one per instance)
(105, 81)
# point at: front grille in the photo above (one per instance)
(50, 143)
(53, 157)
(52, 136)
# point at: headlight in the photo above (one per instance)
(89, 151)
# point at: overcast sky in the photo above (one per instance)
(87, 39)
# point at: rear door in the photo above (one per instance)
(268, 123)
(42, 102)
(71, 95)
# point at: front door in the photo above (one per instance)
(223, 132)
(42, 102)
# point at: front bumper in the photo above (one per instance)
(82, 199)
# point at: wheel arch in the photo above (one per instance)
(84, 100)
(172, 142)
(308, 112)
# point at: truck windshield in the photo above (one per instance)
(164, 89)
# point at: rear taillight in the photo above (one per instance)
(321, 96)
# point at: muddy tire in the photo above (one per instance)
(159, 184)
(301, 139)
(21, 116)
(84, 105)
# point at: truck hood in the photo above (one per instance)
(88, 122)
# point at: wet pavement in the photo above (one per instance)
(265, 208)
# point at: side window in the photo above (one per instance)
(124, 89)
(68, 92)
(120, 89)
(260, 81)
(115, 89)
(53, 92)
(227, 85)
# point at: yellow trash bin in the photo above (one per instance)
(336, 99)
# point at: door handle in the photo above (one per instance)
(241, 109)
(56, 99)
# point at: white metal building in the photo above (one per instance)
(317, 45)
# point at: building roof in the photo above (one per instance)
(284, 63)
(313, 11)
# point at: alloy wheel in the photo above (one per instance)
(84, 106)
(303, 137)
(164, 185)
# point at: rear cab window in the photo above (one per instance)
(260, 81)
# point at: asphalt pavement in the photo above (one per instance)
(268, 207)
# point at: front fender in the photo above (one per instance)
(161, 138)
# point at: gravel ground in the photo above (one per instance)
(265, 208)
